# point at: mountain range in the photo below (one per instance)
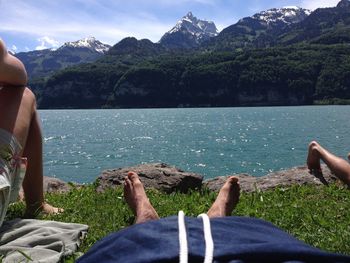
(135, 73)
(188, 33)
(257, 30)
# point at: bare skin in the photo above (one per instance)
(226, 200)
(18, 116)
(338, 166)
(12, 69)
(136, 198)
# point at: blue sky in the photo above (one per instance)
(37, 24)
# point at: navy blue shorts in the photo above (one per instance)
(236, 239)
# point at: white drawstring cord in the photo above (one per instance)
(183, 256)
(209, 244)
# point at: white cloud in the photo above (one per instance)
(71, 26)
(181, 2)
(314, 4)
(47, 42)
(14, 48)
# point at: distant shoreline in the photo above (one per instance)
(318, 103)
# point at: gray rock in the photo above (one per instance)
(285, 178)
(51, 185)
(246, 181)
(159, 176)
(168, 178)
(54, 185)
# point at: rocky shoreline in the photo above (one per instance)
(169, 179)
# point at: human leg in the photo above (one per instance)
(18, 116)
(226, 200)
(137, 199)
(33, 181)
(338, 166)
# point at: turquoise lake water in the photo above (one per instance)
(79, 144)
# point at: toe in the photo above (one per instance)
(135, 179)
(133, 176)
(233, 179)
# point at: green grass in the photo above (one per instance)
(333, 101)
(320, 216)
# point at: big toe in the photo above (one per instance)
(233, 179)
(133, 177)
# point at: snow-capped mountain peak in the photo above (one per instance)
(90, 43)
(201, 29)
(285, 15)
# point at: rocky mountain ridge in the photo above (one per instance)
(258, 30)
(323, 26)
(42, 63)
(189, 32)
(90, 43)
(282, 16)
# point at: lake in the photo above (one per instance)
(79, 144)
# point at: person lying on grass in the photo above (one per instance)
(20, 136)
(212, 237)
(338, 166)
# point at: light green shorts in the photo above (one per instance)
(12, 171)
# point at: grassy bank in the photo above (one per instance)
(320, 216)
(333, 101)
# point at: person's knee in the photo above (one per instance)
(12, 70)
(29, 97)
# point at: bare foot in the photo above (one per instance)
(136, 198)
(313, 158)
(45, 208)
(51, 210)
(226, 200)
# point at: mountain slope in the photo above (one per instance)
(41, 63)
(89, 43)
(91, 85)
(258, 29)
(323, 26)
(189, 32)
(133, 47)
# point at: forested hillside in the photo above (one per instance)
(293, 75)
